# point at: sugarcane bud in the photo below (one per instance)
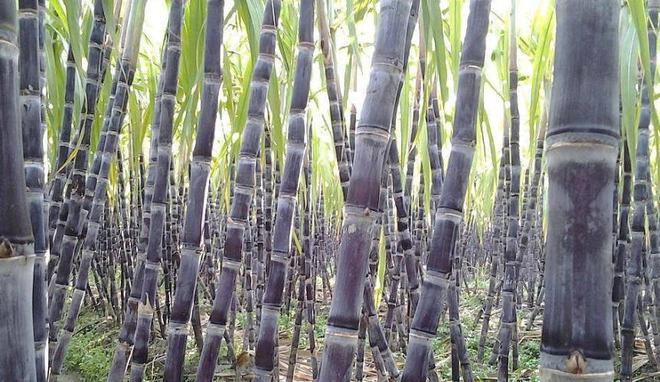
(146, 309)
(576, 363)
(6, 249)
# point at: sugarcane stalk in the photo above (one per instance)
(511, 266)
(160, 192)
(33, 155)
(17, 355)
(581, 150)
(450, 209)
(371, 140)
(200, 172)
(243, 191)
(287, 198)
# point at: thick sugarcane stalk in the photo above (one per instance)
(160, 193)
(287, 198)
(372, 137)
(33, 155)
(196, 204)
(243, 191)
(449, 211)
(581, 148)
(74, 215)
(17, 353)
(511, 266)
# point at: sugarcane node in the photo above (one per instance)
(146, 308)
(576, 364)
(6, 249)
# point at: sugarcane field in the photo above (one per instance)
(329, 190)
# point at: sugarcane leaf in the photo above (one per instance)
(432, 21)
(638, 13)
(454, 33)
(544, 28)
(73, 16)
(630, 97)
